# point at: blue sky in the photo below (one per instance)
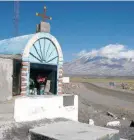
(77, 25)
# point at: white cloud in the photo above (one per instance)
(81, 53)
(111, 51)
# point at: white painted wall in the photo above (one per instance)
(40, 107)
(66, 80)
(6, 80)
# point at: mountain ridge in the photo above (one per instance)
(99, 65)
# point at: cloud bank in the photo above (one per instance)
(110, 51)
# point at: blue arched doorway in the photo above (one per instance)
(44, 59)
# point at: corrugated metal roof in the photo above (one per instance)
(14, 45)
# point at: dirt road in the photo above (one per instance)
(95, 102)
(107, 98)
(124, 95)
(110, 98)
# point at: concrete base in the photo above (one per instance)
(46, 106)
(73, 131)
(43, 27)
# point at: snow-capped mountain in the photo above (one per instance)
(112, 60)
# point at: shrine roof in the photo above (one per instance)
(14, 46)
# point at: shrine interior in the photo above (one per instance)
(40, 71)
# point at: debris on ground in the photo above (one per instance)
(123, 118)
(91, 122)
(111, 114)
(114, 123)
(132, 124)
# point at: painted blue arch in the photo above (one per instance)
(44, 51)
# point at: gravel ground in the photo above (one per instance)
(95, 102)
(20, 131)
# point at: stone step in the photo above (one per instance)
(71, 130)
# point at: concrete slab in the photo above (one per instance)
(71, 130)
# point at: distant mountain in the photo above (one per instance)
(100, 65)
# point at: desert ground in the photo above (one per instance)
(97, 98)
